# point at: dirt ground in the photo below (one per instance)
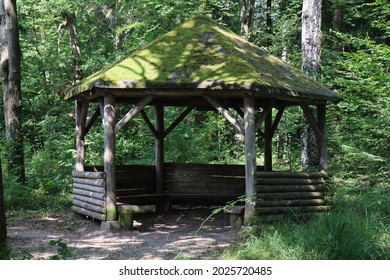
(178, 234)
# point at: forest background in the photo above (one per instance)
(355, 64)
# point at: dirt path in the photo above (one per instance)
(165, 236)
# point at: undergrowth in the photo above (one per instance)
(357, 228)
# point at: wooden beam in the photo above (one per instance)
(81, 117)
(250, 157)
(178, 120)
(264, 113)
(321, 113)
(277, 120)
(109, 156)
(92, 120)
(239, 127)
(239, 111)
(312, 121)
(268, 142)
(159, 143)
(149, 123)
(133, 112)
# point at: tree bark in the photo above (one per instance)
(12, 95)
(70, 22)
(311, 65)
(246, 16)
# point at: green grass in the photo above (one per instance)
(356, 229)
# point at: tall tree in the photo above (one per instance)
(246, 15)
(311, 65)
(12, 95)
(69, 20)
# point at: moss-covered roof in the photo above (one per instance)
(201, 53)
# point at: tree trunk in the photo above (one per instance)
(70, 22)
(311, 65)
(246, 16)
(269, 21)
(11, 79)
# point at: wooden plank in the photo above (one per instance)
(292, 188)
(195, 189)
(109, 155)
(321, 113)
(205, 169)
(239, 127)
(294, 202)
(209, 197)
(277, 121)
(92, 120)
(96, 195)
(204, 179)
(313, 123)
(268, 142)
(282, 174)
(88, 188)
(250, 157)
(89, 200)
(88, 206)
(159, 149)
(149, 123)
(91, 182)
(267, 109)
(290, 195)
(81, 117)
(178, 120)
(88, 175)
(88, 213)
(142, 199)
(296, 209)
(133, 112)
(289, 181)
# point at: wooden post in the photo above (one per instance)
(250, 157)
(159, 143)
(109, 155)
(268, 142)
(323, 153)
(81, 118)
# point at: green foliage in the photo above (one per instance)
(64, 252)
(357, 228)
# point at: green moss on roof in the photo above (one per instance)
(203, 54)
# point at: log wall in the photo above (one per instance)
(200, 184)
(284, 192)
(89, 195)
(212, 184)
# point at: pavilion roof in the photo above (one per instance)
(202, 54)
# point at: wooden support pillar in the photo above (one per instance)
(268, 142)
(250, 157)
(109, 155)
(81, 118)
(323, 153)
(159, 143)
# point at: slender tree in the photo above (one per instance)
(12, 95)
(69, 21)
(311, 65)
(246, 16)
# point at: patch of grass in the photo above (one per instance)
(356, 228)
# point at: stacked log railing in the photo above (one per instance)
(89, 196)
(290, 192)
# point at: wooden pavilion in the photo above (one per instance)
(204, 66)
